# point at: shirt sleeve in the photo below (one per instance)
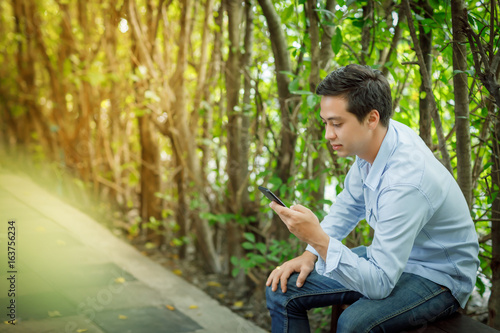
(347, 211)
(400, 214)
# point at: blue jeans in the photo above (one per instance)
(413, 303)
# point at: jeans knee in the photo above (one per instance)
(273, 298)
(350, 322)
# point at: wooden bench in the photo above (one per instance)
(456, 323)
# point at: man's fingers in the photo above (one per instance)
(284, 280)
(300, 208)
(280, 210)
(278, 275)
(302, 277)
(269, 279)
(274, 278)
(276, 281)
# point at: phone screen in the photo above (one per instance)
(271, 196)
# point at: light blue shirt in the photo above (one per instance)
(420, 218)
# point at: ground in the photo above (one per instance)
(247, 301)
(248, 304)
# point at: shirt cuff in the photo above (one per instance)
(324, 267)
(312, 250)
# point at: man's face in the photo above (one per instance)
(343, 131)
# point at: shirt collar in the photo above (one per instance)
(386, 148)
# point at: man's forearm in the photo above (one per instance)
(321, 246)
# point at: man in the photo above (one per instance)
(422, 262)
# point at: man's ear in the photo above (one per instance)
(373, 119)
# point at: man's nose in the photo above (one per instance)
(330, 133)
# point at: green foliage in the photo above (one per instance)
(262, 256)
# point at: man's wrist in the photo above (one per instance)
(310, 255)
(321, 246)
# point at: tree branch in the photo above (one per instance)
(487, 76)
(429, 93)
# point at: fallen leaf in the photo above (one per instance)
(150, 246)
(54, 313)
(170, 307)
(249, 314)
(221, 295)
(120, 280)
(238, 304)
(122, 317)
(177, 272)
(192, 307)
(80, 330)
(213, 284)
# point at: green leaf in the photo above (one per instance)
(294, 85)
(249, 236)
(312, 100)
(301, 92)
(261, 247)
(287, 13)
(481, 288)
(327, 13)
(337, 40)
(287, 73)
(247, 246)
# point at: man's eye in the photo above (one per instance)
(336, 125)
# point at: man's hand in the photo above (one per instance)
(303, 264)
(302, 222)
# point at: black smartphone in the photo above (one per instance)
(271, 196)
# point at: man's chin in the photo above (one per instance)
(343, 153)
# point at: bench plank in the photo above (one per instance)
(456, 323)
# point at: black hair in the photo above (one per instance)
(364, 89)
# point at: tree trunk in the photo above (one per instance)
(326, 53)
(203, 64)
(187, 148)
(426, 79)
(150, 204)
(316, 132)
(150, 155)
(57, 91)
(494, 301)
(386, 54)
(26, 84)
(366, 30)
(461, 92)
(288, 136)
(115, 159)
(235, 164)
(425, 40)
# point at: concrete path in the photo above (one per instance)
(64, 272)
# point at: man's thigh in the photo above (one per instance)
(414, 302)
(317, 291)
